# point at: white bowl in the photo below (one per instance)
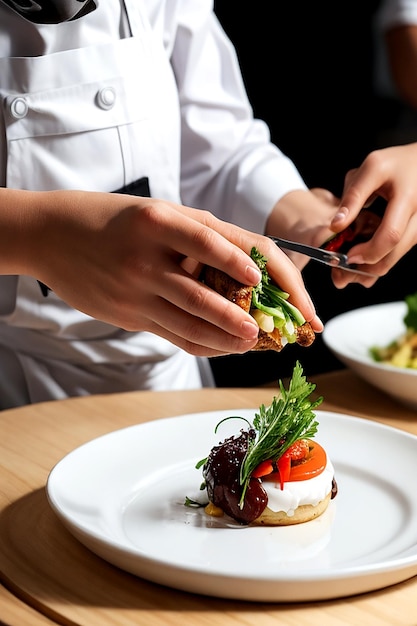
(351, 335)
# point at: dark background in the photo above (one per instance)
(309, 73)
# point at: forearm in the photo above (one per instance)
(20, 229)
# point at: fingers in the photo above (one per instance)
(385, 238)
(193, 298)
(201, 236)
(389, 174)
(382, 263)
(362, 186)
(184, 301)
(196, 335)
(342, 278)
(357, 193)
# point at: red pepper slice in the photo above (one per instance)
(334, 244)
(303, 460)
(263, 469)
(284, 468)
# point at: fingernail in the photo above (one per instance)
(318, 323)
(356, 260)
(340, 215)
(250, 330)
(254, 276)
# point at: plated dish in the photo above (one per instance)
(351, 335)
(122, 495)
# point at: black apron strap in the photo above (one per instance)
(138, 188)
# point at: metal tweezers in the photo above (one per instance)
(328, 257)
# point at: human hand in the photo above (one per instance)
(390, 174)
(134, 262)
(304, 216)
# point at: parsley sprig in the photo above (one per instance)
(290, 417)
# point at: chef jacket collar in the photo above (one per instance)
(51, 11)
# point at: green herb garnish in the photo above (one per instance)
(410, 319)
(290, 417)
(273, 301)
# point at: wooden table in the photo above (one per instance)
(50, 578)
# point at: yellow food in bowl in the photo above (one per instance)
(400, 353)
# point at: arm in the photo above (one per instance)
(133, 262)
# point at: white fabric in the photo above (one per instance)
(136, 88)
(396, 12)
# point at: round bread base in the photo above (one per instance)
(304, 513)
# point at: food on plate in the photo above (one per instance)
(279, 321)
(359, 231)
(274, 473)
(402, 352)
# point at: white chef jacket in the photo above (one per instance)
(137, 88)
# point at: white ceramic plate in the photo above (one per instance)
(350, 336)
(122, 495)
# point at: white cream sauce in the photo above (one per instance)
(299, 492)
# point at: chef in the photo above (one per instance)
(143, 97)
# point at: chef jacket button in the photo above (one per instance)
(19, 108)
(106, 98)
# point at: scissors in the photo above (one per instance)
(328, 257)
